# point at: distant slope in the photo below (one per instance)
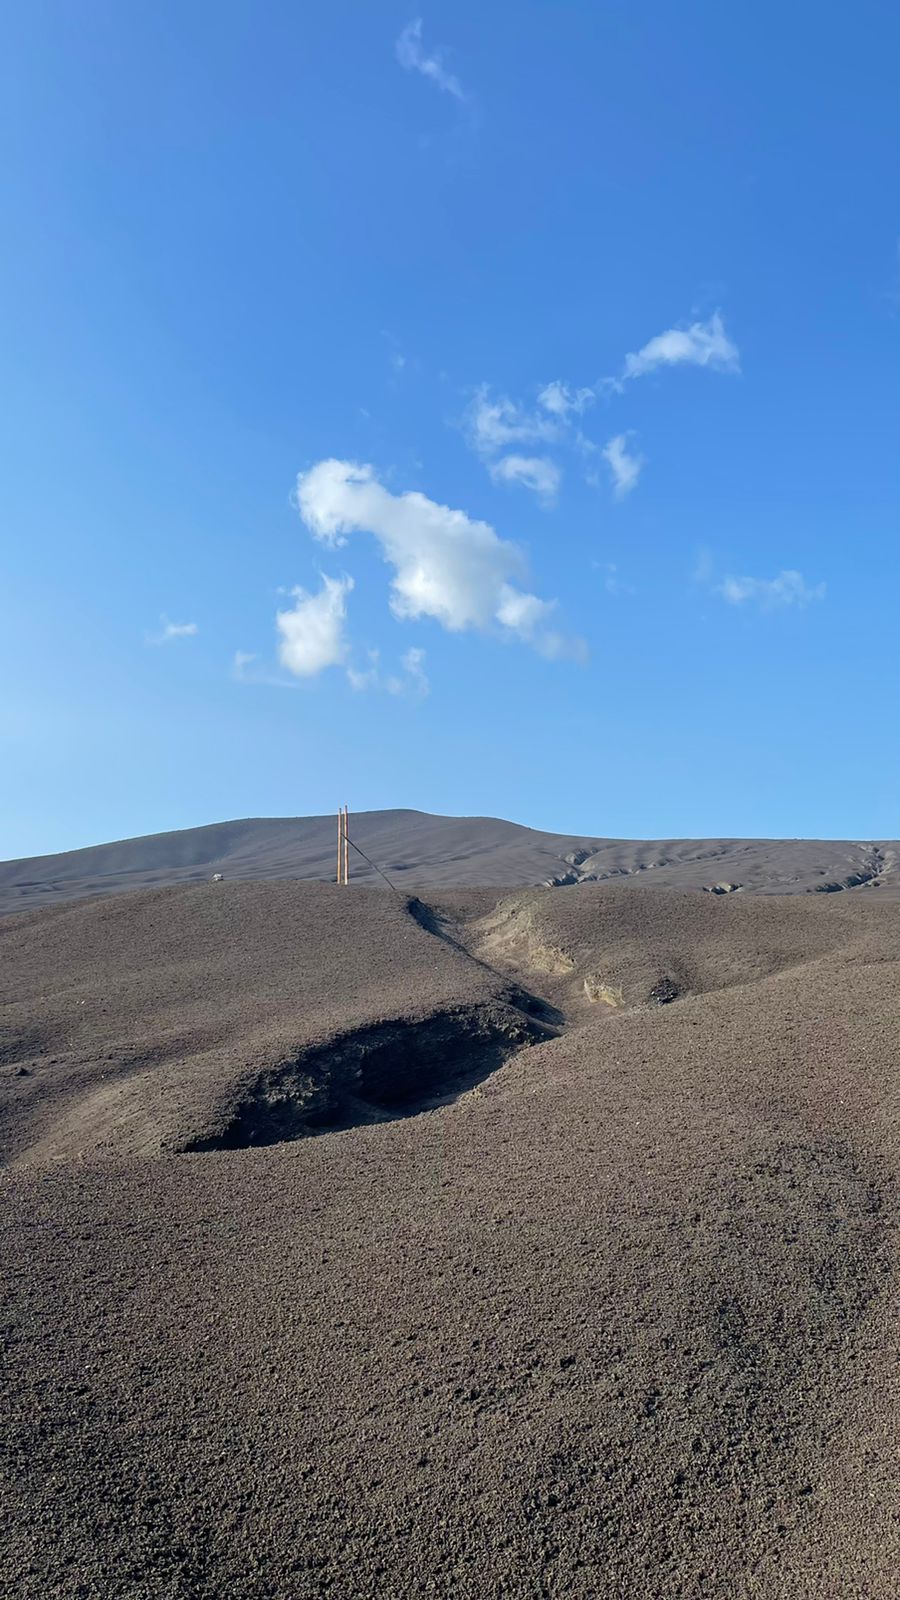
(417, 850)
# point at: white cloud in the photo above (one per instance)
(528, 617)
(312, 631)
(609, 386)
(537, 473)
(361, 678)
(789, 588)
(414, 667)
(492, 424)
(412, 57)
(173, 630)
(412, 680)
(523, 613)
(247, 667)
(446, 565)
(242, 660)
(703, 344)
(612, 583)
(625, 468)
(560, 400)
(415, 679)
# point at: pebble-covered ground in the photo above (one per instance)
(606, 1306)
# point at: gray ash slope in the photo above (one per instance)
(145, 1023)
(609, 1311)
(418, 850)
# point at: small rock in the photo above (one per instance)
(664, 992)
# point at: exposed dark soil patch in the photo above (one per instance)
(855, 880)
(876, 865)
(664, 992)
(374, 1074)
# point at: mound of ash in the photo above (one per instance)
(374, 1074)
(628, 950)
(619, 1323)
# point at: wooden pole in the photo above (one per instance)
(346, 844)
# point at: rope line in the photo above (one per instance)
(372, 865)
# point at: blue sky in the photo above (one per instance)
(492, 410)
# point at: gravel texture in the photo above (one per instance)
(608, 1309)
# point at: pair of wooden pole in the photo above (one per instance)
(343, 845)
